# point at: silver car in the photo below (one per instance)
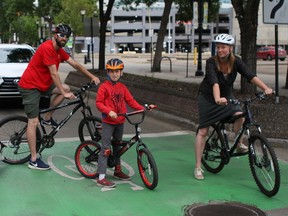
(14, 59)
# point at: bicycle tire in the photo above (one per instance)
(147, 168)
(86, 157)
(212, 157)
(16, 149)
(90, 128)
(264, 164)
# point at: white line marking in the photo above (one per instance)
(172, 133)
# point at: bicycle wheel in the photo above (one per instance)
(86, 157)
(90, 129)
(147, 168)
(264, 165)
(13, 137)
(212, 157)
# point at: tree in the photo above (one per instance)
(161, 35)
(184, 14)
(26, 30)
(12, 11)
(104, 18)
(247, 15)
(71, 15)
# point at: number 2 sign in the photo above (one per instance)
(275, 11)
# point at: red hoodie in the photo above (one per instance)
(114, 97)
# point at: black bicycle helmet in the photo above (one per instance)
(114, 64)
(64, 29)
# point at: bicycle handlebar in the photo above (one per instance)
(85, 88)
(258, 95)
(126, 115)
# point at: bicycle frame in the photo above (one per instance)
(78, 101)
(127, 144)
(248, 123)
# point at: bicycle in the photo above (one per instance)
(13, 142)
(262, 158)
(87, 153)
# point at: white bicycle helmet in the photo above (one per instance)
(225, 39)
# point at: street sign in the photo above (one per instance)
(275, 11)
(195, 15)
(205, 15)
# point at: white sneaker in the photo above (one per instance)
(241, 148)
(198, 173)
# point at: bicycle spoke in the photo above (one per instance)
(264, 165)
(86, 157)
(147, 168)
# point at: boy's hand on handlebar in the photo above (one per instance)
(112, 114)
(151, 106)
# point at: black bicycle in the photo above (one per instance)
(87, 153)
(13, 142)
(262, 158)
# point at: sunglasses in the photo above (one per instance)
(63, 35)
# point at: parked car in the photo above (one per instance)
(14, 59)
(268, 53)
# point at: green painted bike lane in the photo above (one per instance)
(63, 191)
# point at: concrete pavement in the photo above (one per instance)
(184, 71)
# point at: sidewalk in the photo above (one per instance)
(141, 64)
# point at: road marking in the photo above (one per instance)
(147, 135)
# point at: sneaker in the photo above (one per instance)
(241, 148)
(38, 165)
(51, 122)
(198, 173)
(122, 176)
(105, 183)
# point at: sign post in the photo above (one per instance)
(275, 12)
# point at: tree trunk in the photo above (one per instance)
(247, 15)
(161, 35)
(104, 18)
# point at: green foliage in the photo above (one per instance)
(71, 15)
(48, 8)
(185, 12)
(11, 11)
(26, 30)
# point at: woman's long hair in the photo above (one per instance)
(229, 59)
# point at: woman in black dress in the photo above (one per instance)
(215, 91)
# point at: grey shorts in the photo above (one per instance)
(31, 100)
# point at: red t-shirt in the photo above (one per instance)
(114, 97)
(37, 74)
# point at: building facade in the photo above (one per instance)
(136, 30)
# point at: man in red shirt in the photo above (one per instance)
(112, 97)
(41, 77)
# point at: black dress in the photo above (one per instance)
(209, 111)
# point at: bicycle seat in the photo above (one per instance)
(231, 119)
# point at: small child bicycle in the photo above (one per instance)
(86, 155)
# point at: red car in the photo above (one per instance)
(268, 53)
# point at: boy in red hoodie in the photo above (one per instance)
(112, 97)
